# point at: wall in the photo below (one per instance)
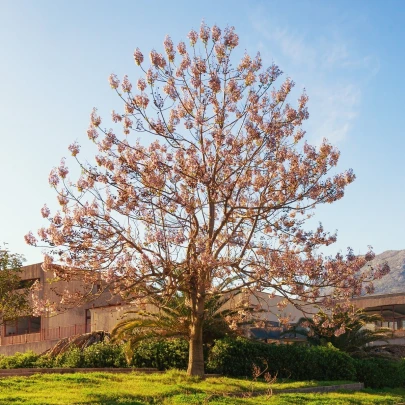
(265, 308)
(37, 347)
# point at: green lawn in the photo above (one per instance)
(171, 388)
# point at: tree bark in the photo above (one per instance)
(196, 355)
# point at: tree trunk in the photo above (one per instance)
(196, 355)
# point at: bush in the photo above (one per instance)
(104, 355)
(235, 357)
(380, 373)
(161, 354)
(72, 358)
(20, 360)
(98, 355)
(45, 361)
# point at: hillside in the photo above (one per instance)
(394, 281)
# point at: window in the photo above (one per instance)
(27, 283)
(96, 288)
(23, 325)
(88, 321)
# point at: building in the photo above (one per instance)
(391, 307)
(43, 332)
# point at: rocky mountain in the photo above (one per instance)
(394, 281)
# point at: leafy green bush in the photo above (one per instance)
(236, 357)
(104, 355)
(72, 358)
(161, 354)
(380, 373)
(45, 361)
(20, 360)
(98, 355)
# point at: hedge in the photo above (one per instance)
(97, 355)
(236, 357)
(233, 357)
(162, 354)
(28, 359)
(380, 373)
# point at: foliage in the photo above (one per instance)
(45, 361)
(173, 320)
(102, 354)
(236, 357)
(346, 330)
(173, 388)
(218, 189)
(231, 357)
(28, 359)
(13, 299)
(98, 355)
(162, 354)
(380, 373)
(73, 358)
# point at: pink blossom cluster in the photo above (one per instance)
(219, 189)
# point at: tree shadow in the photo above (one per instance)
(114, 399)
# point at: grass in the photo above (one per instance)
(171, 388)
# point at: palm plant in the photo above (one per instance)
(173, 320)
(346, 331)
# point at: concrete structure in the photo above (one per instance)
(391, 307)
(41, 333)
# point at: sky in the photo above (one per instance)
(56, 57)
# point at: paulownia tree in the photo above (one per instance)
(215, 193)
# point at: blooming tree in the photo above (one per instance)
(212, 198)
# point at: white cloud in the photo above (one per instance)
(332, 72)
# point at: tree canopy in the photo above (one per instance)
(213, 196)
(14, 300)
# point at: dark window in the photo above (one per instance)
(27, 283)
(96, 288)
(23, 325)
(88, 321)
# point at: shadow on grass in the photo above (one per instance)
(116, 399)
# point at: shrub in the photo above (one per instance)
(236, 358)
(162, 354)
(45, 361)
(98, 355)
(72, 358)
(380, 373)
(104, 355)
(20, 360)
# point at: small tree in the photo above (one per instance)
(218, 189)
(14, 300)
(346, 330)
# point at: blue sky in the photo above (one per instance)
(56, 58)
